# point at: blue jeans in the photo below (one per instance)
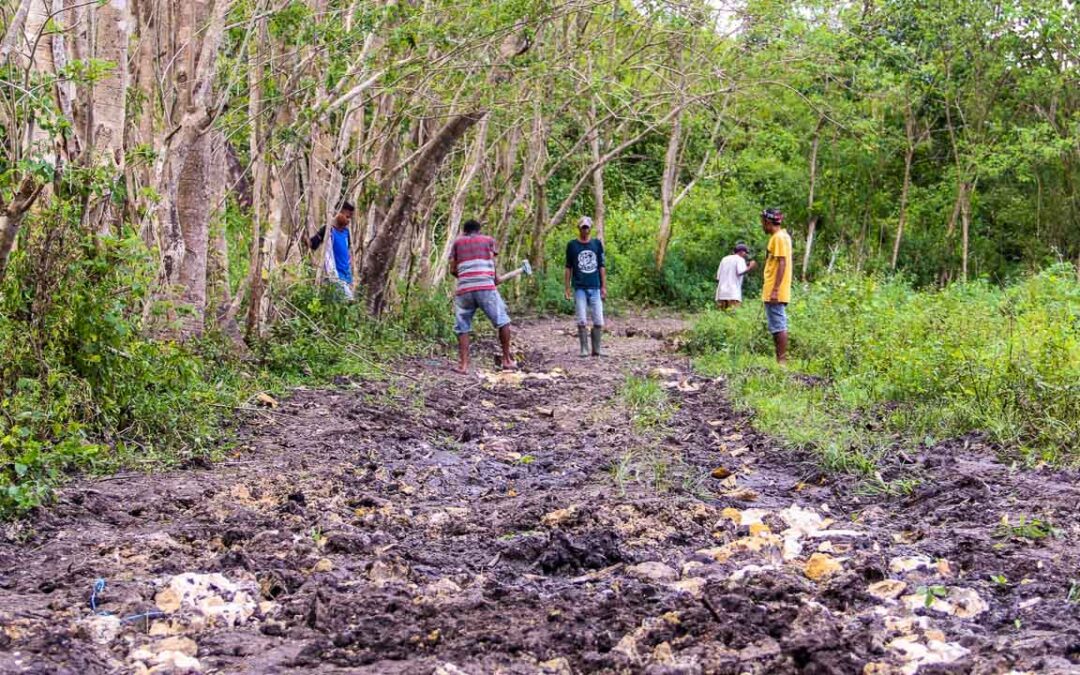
(489, 302)
(776, 316)
(588, 303)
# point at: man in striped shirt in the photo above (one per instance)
(472, 262)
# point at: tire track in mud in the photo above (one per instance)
(522, 524)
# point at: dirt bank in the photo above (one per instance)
(433, 523)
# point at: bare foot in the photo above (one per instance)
(509, 365)
(461, 370)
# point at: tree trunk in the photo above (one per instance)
(811, 219)
(12, 216)
(909, 156)
(811, 228)
(457, 202)
(667, 190)
(539, 223)
(258, 191)
(375, 272)
(965, 228)
(193, 210)
(599, 210)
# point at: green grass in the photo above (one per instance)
(646, 402)
(877, 366)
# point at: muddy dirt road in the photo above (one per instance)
(432, 523)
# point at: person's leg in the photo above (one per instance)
(464, 309)
(776, 315)
(504, 340)
(494, 307)
(463, 353)
(781, 347)
(596, 310)
(581, 301)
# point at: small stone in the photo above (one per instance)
(694, 587)
(324, 565)
(967, 603)
(556, 666)
(101, 629)
(627, 646)
(652, 571)
(663, 654)
(909, 563)
(888, 589)
(167, 601)
(821, 566)
(266, 400)
(183, 645)
(720, 472)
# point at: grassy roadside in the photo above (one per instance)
(879, 366)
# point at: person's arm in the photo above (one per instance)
(781, 267)
(603, 270)
(453, 260)
(569, 269)
(749, 266)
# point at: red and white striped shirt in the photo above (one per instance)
(475, 257)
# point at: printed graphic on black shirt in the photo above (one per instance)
(585, 260)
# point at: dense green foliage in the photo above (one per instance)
(879, 366)
(83, 386)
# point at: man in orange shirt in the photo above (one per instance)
(776, 291)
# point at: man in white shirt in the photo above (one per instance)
(729, 277)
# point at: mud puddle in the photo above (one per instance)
(523, 524)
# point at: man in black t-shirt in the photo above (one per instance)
(586, 277)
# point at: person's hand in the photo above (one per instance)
(775, 297)
(603, 292)
(567, 293)
(751, 265)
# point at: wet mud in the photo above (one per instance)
(524, 524)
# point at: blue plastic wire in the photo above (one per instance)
(99, 588)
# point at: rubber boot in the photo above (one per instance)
(583, 339)
(597, 333)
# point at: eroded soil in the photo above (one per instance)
(432, 523)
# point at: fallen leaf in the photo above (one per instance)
(742, 495)
(721, 472)
(560, 517)
(821, 566)
(487, 404)
(266, 400)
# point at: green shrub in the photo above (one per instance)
(83, 387)
(875, 359)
